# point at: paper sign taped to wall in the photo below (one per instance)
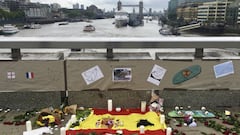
(92, 75)
(156, 75)
(223, 69)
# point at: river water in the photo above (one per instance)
(104, 28)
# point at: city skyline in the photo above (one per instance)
(108, 5)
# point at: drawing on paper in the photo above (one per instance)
(92, 75)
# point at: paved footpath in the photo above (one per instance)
(18, 130)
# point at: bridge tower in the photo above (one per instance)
(150, 11)
(119, 5)
(141, 9)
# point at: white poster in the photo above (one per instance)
(156, 75)
(223, 69)
(92, 75)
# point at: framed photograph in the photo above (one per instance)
(122, 74)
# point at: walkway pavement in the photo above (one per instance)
(18, 130)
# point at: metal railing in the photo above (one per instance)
(17, 43)
(157, 42)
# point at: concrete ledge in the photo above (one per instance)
(29, 100)
(197, 98)
(175, 56)
(214, 99)
(5, 56)
(121, 98)
(42, 56)
(102, 56)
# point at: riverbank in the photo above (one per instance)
(212, 33)
(235, 30)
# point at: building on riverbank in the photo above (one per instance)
(213, 12)
(233, 15)
(188, 12)
(221, 14)
(37, 10)
(3, 7)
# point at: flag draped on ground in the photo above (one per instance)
(128, 122)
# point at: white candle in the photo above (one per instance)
(227, 113)
(142, 129)
(73, 118)
(143, 106)
(109, 105)
(62, 131)
(28, 125)
(169, 131)
(119, 132)
(162, 119)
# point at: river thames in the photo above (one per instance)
(104, 28)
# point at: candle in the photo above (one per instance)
(162, 119)
(142, 129)
(73, 118)
(203, 108)
(118, 109)
(169, 131)
(109, 105)
(62, 131)
(227, 113)
(28, 125)
(143, 106)
(120, 132)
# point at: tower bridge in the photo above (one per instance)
(140, 6)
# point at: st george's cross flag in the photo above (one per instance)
(29, 75)
(11, 75)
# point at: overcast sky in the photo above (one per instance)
(109, 4)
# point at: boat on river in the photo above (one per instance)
(165, 31)
(1, 29)
(63, 23)
(135, 20)
(89, 28)
(9, 29)
(121, 18)
(32, 26)
(168, 31)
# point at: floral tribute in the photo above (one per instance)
(108, 122)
